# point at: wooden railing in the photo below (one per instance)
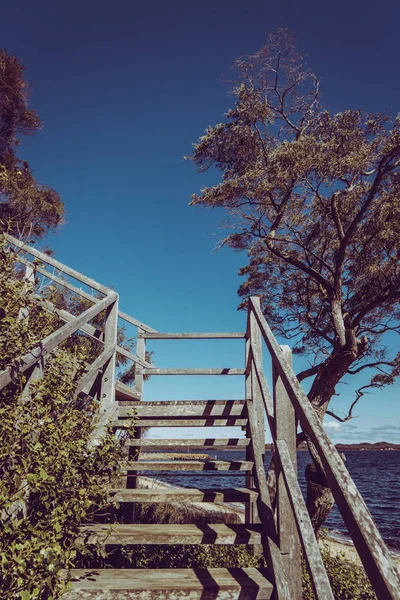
(286, 526)
(99, 379)
(288, 401)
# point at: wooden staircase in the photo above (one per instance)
(193, 583)
(279, 531)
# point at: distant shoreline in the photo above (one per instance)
(363, 446)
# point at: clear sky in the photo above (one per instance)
(124, 89)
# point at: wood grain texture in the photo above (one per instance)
(285, 429)
(127, 535)
(176, 584)
(159, 495)
(188, 409)
(312, 554)
(192, 336)
(375, 556)
(182, 422)
(124, 392)
(190, 465)
(194, 443)
(45, 258)
(224, 371)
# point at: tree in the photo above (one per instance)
(314, 198)
(26, 206)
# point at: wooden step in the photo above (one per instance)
(162, 584)
(193, 444)
(185, 408)
(189, 465)
(183, 422)
(158, 495)
(192, 336)
(127, 534)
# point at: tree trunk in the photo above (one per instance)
(320, 499)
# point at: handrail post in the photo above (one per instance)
(254, 405)
(251, 514)
(285, 429)
(132, 482)
(108, 405)
(255, 337)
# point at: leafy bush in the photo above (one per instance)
(52, 479)
(348, 580)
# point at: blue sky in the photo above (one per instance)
(124, 89)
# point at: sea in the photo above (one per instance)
(376, 474)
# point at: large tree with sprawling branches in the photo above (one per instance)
(314, 198)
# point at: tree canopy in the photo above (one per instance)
(26, 206)
(314, 198)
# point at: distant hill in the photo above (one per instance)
(347, 447)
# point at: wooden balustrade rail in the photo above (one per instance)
(284, 524)
(378, 563)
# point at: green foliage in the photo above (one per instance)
(185, 556)
(26, 206)
(348, 580)
(52, 478)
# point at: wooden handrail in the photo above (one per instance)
(372, 550)
(266, 515)
(72, 273)
(90, 331)
(58, 265)
(311, 551)
(52, 341)
(93, 369)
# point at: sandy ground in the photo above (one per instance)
(346, 547)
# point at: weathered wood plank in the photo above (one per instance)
(192, 336)
(189, 465)
(54, 339)
(266, 515)
(312, 554)
(182, 422)
(176, 408)
(124, 392)
(79, 291)
(132, 321)
(67, 317)
(108, 405)
(257, 392)
(89, 330)
(226, 371)
(126, 535)
(162, 584)
(371, 548)
(93, 368)
(251, 515)
(285, 429)
(59, 280)
(160, 495)
(194, 443)
(134, 357)
(58, 265)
